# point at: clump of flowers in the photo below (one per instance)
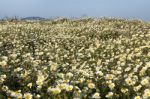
(75, 59)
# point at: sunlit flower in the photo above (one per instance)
(91, 85)
(69, 88)
(145, 81)
(3, 63)
(109, 76)
(96, 95)
(69, 74)
(137, 88)
(54, 90)
(109, 95)
(100, 73)
(62, 86)
(124, 90)
(146, 93)
(28, 96)
(29, 85)
(40, 79)
(137, 97)
(129, 81)
(111, 85)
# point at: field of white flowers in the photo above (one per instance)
(75, 59)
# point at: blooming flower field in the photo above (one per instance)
(75, 59)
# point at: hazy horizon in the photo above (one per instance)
(137, 9)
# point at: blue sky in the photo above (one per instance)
(76, 8)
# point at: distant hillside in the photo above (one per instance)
(33, 18)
